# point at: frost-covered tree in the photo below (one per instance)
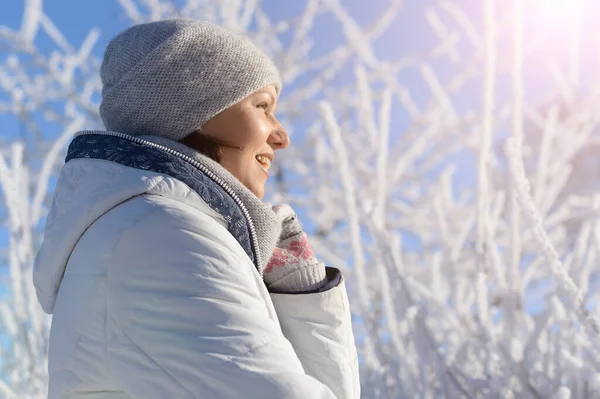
(458, 194)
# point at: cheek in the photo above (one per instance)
(238, 163)
(244, 167)
(245, 129)
(256, 130)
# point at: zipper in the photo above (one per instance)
(204, 169)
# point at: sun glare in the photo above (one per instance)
(559, 10)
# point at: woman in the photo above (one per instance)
(166, 274)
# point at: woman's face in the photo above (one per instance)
(251, 126)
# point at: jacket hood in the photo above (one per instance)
(103, 171)
(86, 190)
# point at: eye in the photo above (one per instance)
(263, 105)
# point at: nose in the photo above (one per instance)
(278, 139)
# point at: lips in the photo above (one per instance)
(264, 160)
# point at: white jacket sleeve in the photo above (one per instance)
(186, 316)
(319, 327)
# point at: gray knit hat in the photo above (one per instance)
(168, 78)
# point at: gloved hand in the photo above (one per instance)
(293, 266)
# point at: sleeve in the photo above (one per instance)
(186, 318)
(319, 327)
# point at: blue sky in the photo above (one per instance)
(410, 35)
(75, 18)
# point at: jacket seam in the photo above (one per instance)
(262, 342)
(252, 349)
(133, 342)
(108, 269)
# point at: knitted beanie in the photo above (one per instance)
(168, 78)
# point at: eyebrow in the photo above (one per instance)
(273, 99)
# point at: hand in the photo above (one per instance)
(293, 266)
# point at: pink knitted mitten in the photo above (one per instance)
(293, 266)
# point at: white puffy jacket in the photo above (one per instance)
(153, 298)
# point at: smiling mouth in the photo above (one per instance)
(264, 162)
